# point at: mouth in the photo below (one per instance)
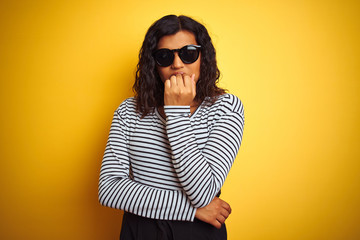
(176, 73)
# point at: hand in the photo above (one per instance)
(215, 213)
(180, 90)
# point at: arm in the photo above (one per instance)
(180, 91)
(118, 190)
(203, 172)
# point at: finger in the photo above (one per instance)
(173, 81)
(226, 206)
(193, 77)
(221, 219)
(179, 80)
(167, 83)
(188, 84)
(216, 224)
(187, 80)
(193, 84)
(224, 213)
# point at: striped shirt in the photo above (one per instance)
(167, 168)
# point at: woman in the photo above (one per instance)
(171, 146)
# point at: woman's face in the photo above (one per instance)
(177, 41)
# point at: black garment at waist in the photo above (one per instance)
(139, 228)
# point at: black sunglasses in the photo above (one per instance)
(188, 54)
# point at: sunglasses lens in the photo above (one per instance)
(164, 57)
(189, 54)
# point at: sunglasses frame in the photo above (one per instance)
(179, 50)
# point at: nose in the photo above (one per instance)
(177, 63)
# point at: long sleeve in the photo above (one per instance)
(202, 172)
(118, 190)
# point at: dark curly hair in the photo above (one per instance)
(148, 87)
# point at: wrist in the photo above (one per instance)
(176, 110)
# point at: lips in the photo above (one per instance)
(176, 73)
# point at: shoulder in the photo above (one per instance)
(228, 103)
(127, 106)
(127, 109)
(227, 110)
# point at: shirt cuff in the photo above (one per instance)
(177, 111)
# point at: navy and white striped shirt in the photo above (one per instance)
(166, 168)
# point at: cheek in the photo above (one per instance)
(162, 73)
(197, 72)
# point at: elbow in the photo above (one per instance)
(101, 193)
(100, 198)
(108, 190)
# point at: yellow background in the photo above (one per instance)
(66, 66)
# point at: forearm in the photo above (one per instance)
(117, 189)
(202, 172)
(145, 201)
